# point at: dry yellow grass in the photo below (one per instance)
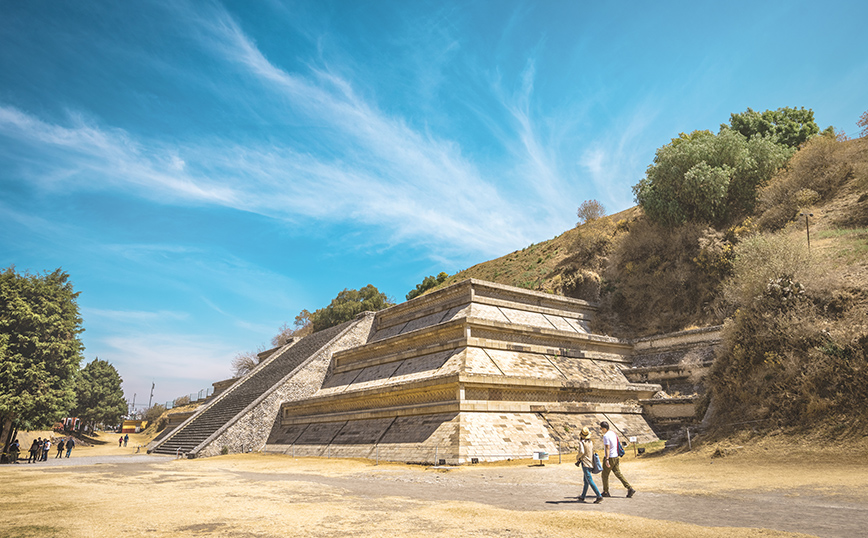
(266, 495)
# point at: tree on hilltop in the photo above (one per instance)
(302, 326)
(428, 283)
(347, 305)
(708, 178)
(590, 210)
(787, 126)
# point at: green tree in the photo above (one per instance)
(99, 394)
(708, 178)
(302, 326)
(428, 283)
(788, 126)
(40, 349)
(347, 305)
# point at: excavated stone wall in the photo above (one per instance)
(250, 429)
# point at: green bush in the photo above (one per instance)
(708, 178)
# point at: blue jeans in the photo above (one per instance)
(589, 480)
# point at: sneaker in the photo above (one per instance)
(581, 499)
(599, 500)
(605, 494)
(630, 492)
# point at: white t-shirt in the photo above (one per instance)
(610, 442)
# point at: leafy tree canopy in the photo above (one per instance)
(301, 327)
(429, 282)
(347, 305)
(40, 350)
(788, 126)
(99, 393)
(708, 178)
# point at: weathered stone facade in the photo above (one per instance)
(679, 363)
(476, 371)
(292, 372)
(473, 372)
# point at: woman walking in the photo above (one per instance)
(585, 458)
(35, 448)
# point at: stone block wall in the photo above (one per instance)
(249, 431)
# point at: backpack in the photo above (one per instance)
(620, 447)
(598, 467)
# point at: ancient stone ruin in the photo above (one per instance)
(473, 372)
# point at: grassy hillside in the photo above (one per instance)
(568, 264)
(650, 279)
(795, 317)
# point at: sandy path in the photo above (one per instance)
(809, 505)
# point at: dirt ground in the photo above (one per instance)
(754, 490)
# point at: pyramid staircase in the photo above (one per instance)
(199, 430)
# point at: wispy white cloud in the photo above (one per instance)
(377, 169)
(133, 316)
(613, 162)
(177, 364)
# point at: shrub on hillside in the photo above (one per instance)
(761, 258)
(795, 350)
(589, 211)
(592, 243)
(814, 175)
(788, 361)
(662, 279)
(154, 412)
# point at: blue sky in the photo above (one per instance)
(206, 170)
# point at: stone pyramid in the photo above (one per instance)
(474, 372)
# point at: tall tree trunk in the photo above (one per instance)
(5, 436)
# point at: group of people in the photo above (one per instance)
(610, 464)
(40, 448)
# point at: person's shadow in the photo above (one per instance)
(567, 500)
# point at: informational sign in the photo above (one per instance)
(632, 439)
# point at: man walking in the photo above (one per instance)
(611, 461)
(69, 444)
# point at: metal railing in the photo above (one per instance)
(203, 394)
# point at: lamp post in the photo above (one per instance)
(807, 227)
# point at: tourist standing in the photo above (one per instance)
(612, 459)
(69, 444)
(14, 449)
(585, 458)
(126, 439)
(46, 447)
(34, 448)
(59, 449)
(120, 441)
